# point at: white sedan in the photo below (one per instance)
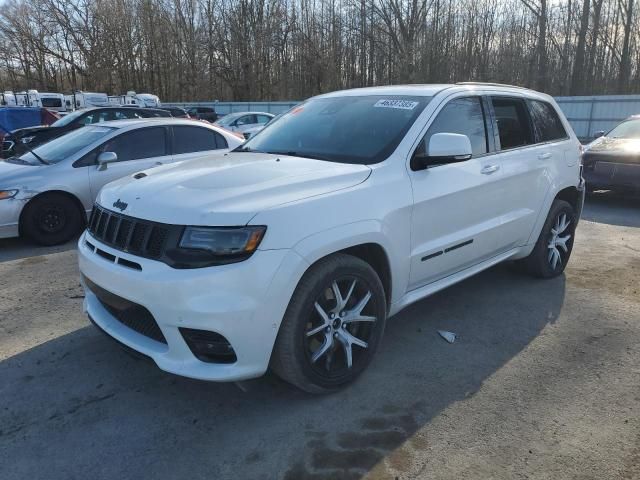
(46, 195)
(243, 121)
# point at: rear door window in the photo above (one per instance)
(196, 139)
(262, 119)
(138, 144)
(513, 125)
(546, 122)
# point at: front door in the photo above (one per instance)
(456, 213)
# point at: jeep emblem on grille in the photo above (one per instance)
(120, 204)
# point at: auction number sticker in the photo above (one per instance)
(402, 104)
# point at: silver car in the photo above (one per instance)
(243, 121)
(46, 195)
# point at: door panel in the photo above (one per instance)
(457, 211)
(194, 142)
(137, 150)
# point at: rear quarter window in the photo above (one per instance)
(546, 122)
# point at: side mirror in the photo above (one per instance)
(444, 148)
(598, 134)
(105, 158)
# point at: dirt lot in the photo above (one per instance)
(544, 382)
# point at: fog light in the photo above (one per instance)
(210, 347)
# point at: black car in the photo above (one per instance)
(176, 112)
(203, 113)
(612, 161)
(16, 143)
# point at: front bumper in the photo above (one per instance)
(244, 302)
(10, 210)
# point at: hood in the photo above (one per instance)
(226, 189)
(614, 146)
(25, 132)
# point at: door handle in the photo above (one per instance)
(158, 164)
(489, 169)
(544, 156)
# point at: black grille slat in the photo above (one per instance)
(139, 237)
(156, 241)
(123, 234)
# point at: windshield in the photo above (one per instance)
(62, 147)
(227, 119)
(628, 129)
(361, 130)
(67, 119)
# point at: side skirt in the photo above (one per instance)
(431, 288)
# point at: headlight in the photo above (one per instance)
(208, 246)
(4, 194)
(27, 139)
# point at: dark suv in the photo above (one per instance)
(203, 113)
(21, 138)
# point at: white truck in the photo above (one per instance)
(133, 98)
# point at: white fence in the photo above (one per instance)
(587, 115)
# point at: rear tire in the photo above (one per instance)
(51, 219)
(326, 339)
(553, 249)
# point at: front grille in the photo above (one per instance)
(130, 314)
(143, 238)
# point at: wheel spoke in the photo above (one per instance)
(322, 313)
(562, 242)
(348, 353)
(328, 342)
(346, 299)
(315, 331)
(359, 318)
(338, 296)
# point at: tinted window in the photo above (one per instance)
(196, 139)
(66, 145)
(463, 116)
(262, 119)
(513, 122)
(99, 116)
(205, 109)
(346, 129)
(51, 102)
(546, 122)
(246, 120)
(142, 143)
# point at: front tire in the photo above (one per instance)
(553, 249)
(51, 219)
(333, 325)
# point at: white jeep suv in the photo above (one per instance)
(293, 250)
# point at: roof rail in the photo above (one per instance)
(492, 84)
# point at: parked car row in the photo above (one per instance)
(23, 139)
(47, 193)
(291, 250)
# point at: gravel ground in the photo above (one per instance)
(543, 382)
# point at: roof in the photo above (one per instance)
(150, 121)
(429, 90)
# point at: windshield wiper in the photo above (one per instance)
(292, 153)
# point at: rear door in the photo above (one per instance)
(529, 142)
(193, 141)
(136, 149)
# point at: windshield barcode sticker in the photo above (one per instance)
(403, 104)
